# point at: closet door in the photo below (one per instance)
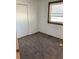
(22, 24)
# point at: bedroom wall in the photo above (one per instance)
(33, 16)
(51, 29)
(38, 17)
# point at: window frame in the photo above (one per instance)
(54, 2)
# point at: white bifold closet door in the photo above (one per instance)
(22, 24)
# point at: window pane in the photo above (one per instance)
(56, 8)
(57, 19)
(55, 12)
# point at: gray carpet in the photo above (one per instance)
(40, 46)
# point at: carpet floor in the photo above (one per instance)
(40, 46)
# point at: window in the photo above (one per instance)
(55, 12)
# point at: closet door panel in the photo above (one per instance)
(22, 25)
